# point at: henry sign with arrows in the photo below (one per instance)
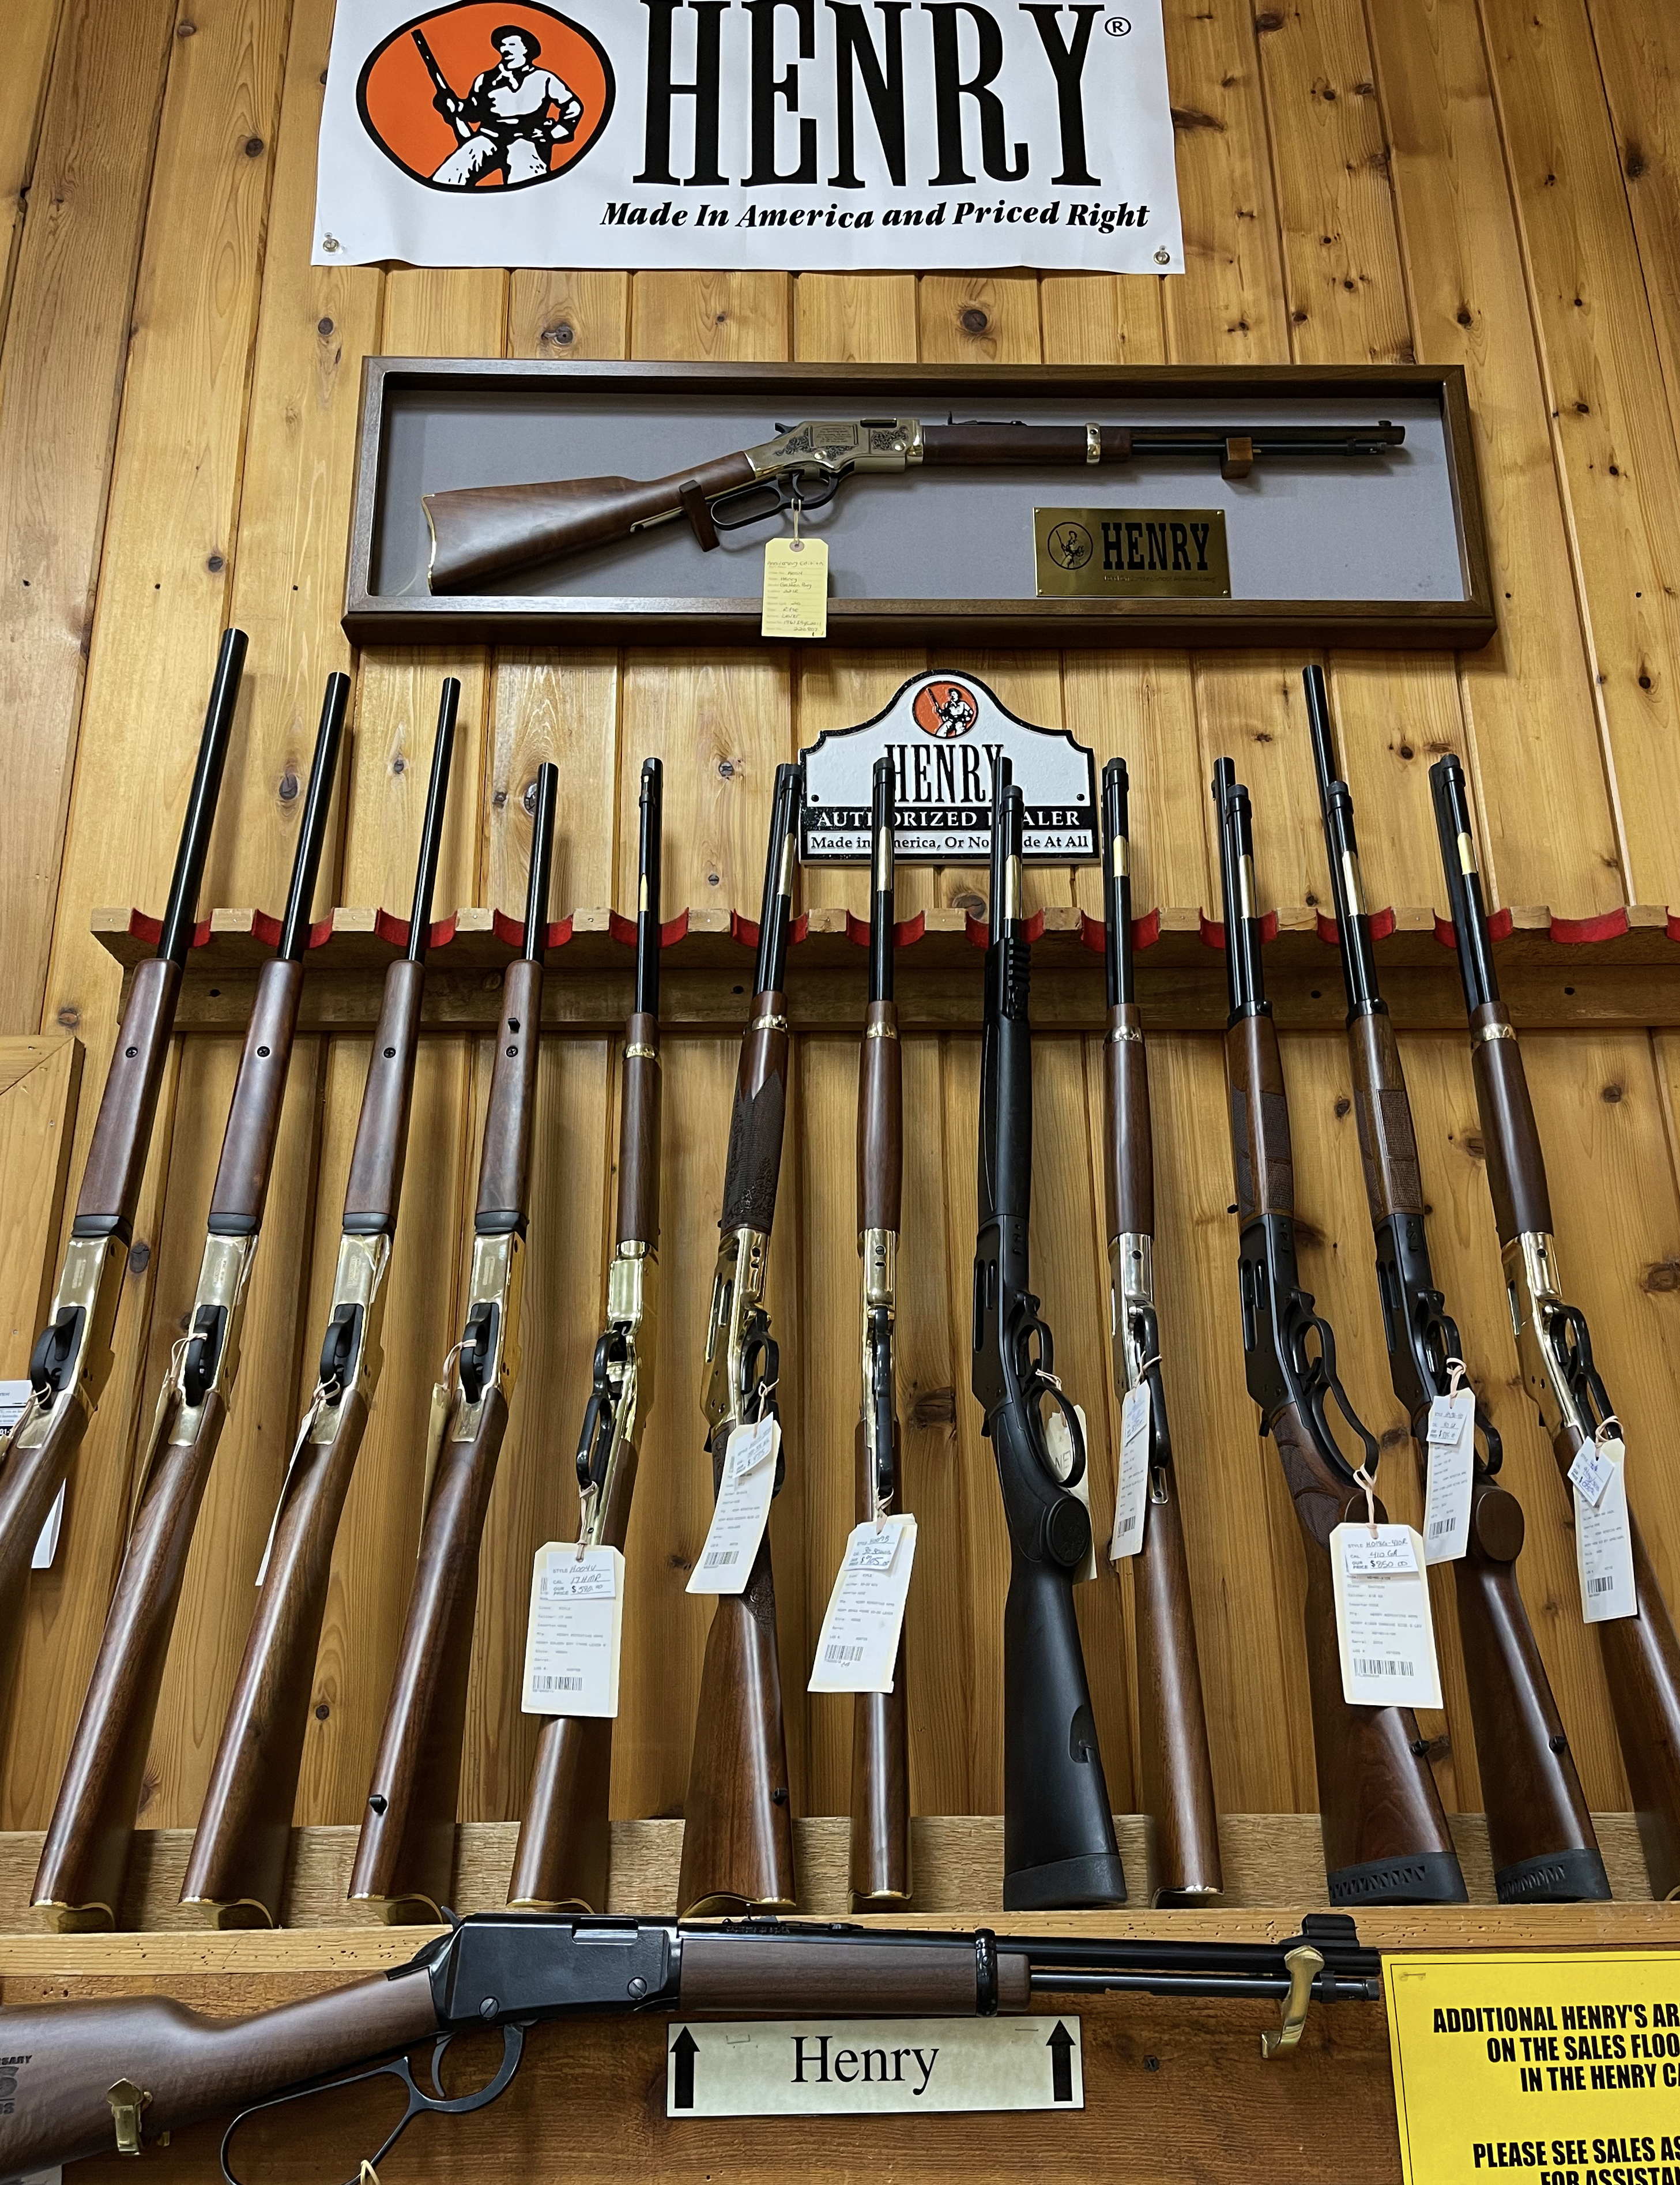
(852, 2067)
(798, 135)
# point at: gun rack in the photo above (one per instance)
(1622, 968)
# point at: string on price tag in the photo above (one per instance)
(1383, 1628)
(742, 1509)
(858, 1644)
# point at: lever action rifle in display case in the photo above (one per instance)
(1539, 1830)
(1385, 1839)
(86, 1855)
(565, 1839)
(1554, 1346)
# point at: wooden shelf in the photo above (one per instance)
(1622, 969)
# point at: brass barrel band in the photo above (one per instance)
(768, 1023)
(880, 1031)
(1493, 1031)
(1093, 443)
(641, 1053)
(1127, 1032)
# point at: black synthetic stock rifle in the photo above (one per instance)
(98, 2078)
(1554, 1344)
(86, 1855)
(73, 1356)
(237, 1866)
(1539, 1829)
(1058, 1834)
(1385, 1839)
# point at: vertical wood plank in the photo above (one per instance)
(34, 28)
(40, 1084)
(1638, 57)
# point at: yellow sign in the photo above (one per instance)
(1132, 553)
(1563, 2067)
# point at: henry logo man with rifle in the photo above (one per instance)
(513, 118)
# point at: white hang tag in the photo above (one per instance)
(1061, 1444)
(1383, 1628)
(1592, 1472)
(1132, 1500)
(742, 1509)
(573, 1634)
(1451, 1443)
(857, 1645)
(1603, 1544)
(796, 588)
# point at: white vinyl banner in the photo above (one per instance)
(799, 135)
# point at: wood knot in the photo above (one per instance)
(253, 148)
(1270, 20)
(973, 320)
(1343, 1104)
(1634, 163)
(1661, 1277)
(324, 328)
(933, 1407)
(139, 1258)
(288, 786)
(69, 1017)
(967, 900)
(559, 335)
(1464, 316)
(1611, 1095)
(216, 564)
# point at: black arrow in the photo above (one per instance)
(683, 2048)
(1061, 2046)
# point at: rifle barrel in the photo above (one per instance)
(1117, 886)
(294, 931)
(542, 865)
(431, 827)
(885, 821)
(1457, 831)
(648, 851)
(195, 834)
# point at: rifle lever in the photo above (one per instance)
(1321, 1383)
(419, 2101)
(342, 1332)
(54, 1353)
(477, 1348)
(203, 1350)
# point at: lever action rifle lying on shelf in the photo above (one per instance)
(85, 1854)
(480, 533)
(1058, 1834)
(405, 1855)
(73, 1355)
(738, 1825)
(238, 1862)
(1555, 1345)
(96, 2076)
(1177, 1771)
(565, 1839)
(1538, 1827)
(1385, 1839)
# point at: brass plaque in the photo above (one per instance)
(1132, 553)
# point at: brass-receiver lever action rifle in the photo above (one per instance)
(738, 1832)
(880, 1721)
(565, 1839)
(1538, 1828)
(1554, 1346)
(1177, 1774)
(238, 1864)
(1385, 1839)
(85, 1854)
(72, 1358)
(480, 533)
(406, 1855)
(1059, 1832)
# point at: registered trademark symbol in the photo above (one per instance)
(1118, 26)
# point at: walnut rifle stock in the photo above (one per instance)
(406, 1854)
(480, 533)
(1540, 1832)
(72, 1358)
(1385, 1839)
(737, 1831)
(565, 1840)
(83, 1863)
(881, 1877)
(1176, 1767)
(1555, 1345)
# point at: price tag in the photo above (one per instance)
(742, 1509)
(796, 588)
(1133, 1499)
(573, 1634)
(14, 1395)
(1383, 1629)
(1451, 1443)
(1603, 1543)
(1591, 1472)
(1061, 1444)
(858, 1644)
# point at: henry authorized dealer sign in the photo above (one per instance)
(798, 135)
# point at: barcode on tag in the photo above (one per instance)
(543, 1683)
(1597, 1585)
(839, 1656)
(721, 1558)
(1381, 1667)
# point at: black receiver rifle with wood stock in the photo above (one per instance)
(1174, 1764)
(565, 1839)
(86, 1855)
(1555, 1345)
(1385, 1839)
(405, 1855)
(1058, 1834)
(95, 2078)
(72, 1358)
(738, 1826)
(1539, 1830)
(880, 1721)
(236, 1867)
(482, 533)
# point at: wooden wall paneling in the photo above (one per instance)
(23, 95)
(560, 315)
(40, 1086)
(1527, 694)
(61, 382)
(549, 705)
(1612, 422)
(1102, 318)
(742, 316)
(855, 318)
(1638, 57)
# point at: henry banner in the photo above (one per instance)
(798, 135)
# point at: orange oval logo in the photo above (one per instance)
(486, 94)
(945, 710)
